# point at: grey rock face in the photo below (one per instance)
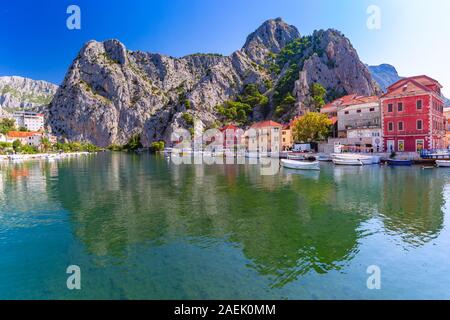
(111, 94)
(271, 36)
(24, 93)
(336, 67)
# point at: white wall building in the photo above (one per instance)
(29, 120)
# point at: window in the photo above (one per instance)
(358, 111)
(419, 104)
(419, 125)
(400, 107)
(419, 145)
(390, 107)
(372, 109)
(400, 126)
(391, 126)
(346, 112)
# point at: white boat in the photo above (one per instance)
(376, 159)
(251, 154)
(365, 159)
(300, 165)
(295, 157)
(15, 157)
(348, 162)
(443, 163)
(324, 157)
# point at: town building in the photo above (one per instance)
(25, 138)
(412, 115)
(331, 110)
(232, 136)
(447, 126)
(287, 141)
(264, 137)
(359, 120)
(30, 120)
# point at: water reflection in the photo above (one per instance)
(286, 225)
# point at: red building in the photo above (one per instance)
(232, 136)
(412, 115)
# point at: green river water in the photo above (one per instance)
(141, 227)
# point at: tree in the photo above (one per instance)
(318, 94)
(7, 125)
(311, 127)
(16, 145)
(45, 144)
(287, 103)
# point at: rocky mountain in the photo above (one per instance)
(385, 75)
(24, 93)
(110, 93)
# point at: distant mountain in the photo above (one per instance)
(386, 75)
(17, 93)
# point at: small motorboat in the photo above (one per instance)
(293, 156)
(348, 162)
(354, 158)
(443, 163)
(251, 154)
(324, 157)
(376, 159)
(398, 162)
(16, 158)
(300, 165)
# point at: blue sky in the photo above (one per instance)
(36, 43)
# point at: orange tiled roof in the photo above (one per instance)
(361, 100)
(21, 134)
(229, 127)
(348, 100)
(265, 124)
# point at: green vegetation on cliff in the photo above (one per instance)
(240, 109)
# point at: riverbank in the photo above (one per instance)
(38, 156)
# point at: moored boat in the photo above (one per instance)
(348, 162)
(442, 163)
(324, 157)
(398, 162)
(251, 154)
(300, 165)
(354, 157)
(16, 157)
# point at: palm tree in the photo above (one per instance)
(45, 144)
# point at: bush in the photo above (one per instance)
(134, 143)
(188, 118)
(157, 146)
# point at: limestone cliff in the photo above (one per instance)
(110, 94)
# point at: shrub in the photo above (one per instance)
(157, 146)
(188, 118)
